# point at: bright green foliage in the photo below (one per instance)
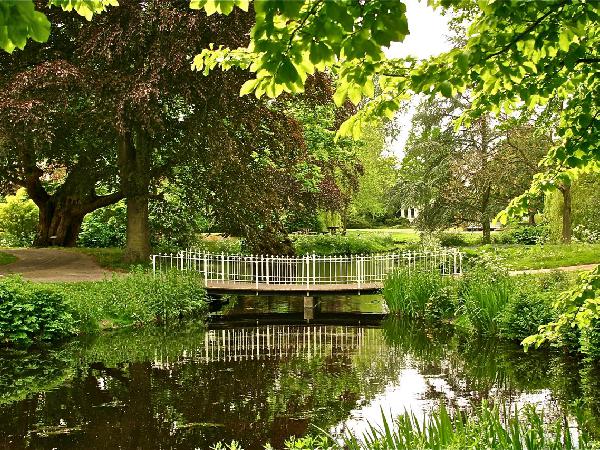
(514, 54)
(105, 227)
(219, 6)
(85, 8)
(19, 21)
(292, 39)
(579, 307)
(30, 315)
(18, 220)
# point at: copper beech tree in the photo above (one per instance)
(113, 103)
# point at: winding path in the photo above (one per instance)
(581, 267)
(51, 264)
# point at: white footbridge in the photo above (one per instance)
(304, 274)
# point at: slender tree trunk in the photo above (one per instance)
(566, 214)
(487, 231)
(134, 168)
(531, 214)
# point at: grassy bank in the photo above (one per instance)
(32, 313)
(546, 256)
(487, 301)
(486, 428)
(7, 258)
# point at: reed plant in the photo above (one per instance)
(483, 295)
(416, 293)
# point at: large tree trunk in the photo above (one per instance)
(134, 167)
(566, 214)
(138, 231)
(61, 213)
(58, 225)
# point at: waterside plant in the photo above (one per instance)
(487, 428)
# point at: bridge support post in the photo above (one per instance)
(310, 306)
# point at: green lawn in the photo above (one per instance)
(547, 256)
(399, 235)
(6, 258)
(109, 258)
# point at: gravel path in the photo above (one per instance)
(581, 267)
(51, 264)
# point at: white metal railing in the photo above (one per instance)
(306, 270)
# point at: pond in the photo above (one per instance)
(261, 380)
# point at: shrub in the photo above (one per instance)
(483, 294)
(18, 220)
(584, 234)
(526, 235)
(29, 314)
(451, 239)
(590, 340)
(424, 294)
(105, 227)
(524, 313)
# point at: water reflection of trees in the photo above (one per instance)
(153, 389)
(496, 370)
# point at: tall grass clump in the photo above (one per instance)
(415, 293)
(483, 293)
(135, 299)
(487, 428)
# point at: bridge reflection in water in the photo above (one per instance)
(283, 342)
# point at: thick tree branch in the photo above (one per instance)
(102, 201)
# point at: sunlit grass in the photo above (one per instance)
(546, 256)
(6, 258)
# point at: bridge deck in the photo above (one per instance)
(235, 287)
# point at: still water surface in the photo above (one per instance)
(264, 382)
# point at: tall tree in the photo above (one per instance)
(465, 175)
(127, 73)
(49, 126)
(379, 173)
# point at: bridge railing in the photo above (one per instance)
(306, 270)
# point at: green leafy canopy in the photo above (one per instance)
(20, 21)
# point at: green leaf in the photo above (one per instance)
(248, 87)
(446, 89)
